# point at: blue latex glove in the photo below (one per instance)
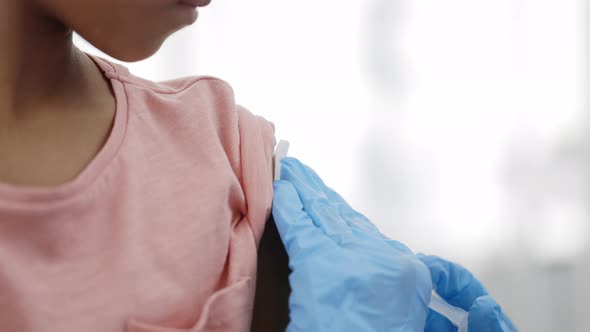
(346, 276)
(460, 288)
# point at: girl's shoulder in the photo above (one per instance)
(203, 84)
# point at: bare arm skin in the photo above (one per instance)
(271, 305)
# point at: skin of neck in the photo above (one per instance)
(39, 65)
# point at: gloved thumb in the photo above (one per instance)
(486, 315)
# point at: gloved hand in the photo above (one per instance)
(346, 276)
(459, 287)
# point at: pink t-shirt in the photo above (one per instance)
(159, 233)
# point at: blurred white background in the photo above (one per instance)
(460, 127)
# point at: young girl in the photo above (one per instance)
(125, 205)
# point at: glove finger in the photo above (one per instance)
(315, 202)
(453, 282)
(352, 218)
(398, 246)
(486, 315)
(296, 228)
(357, 221)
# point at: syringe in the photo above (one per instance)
(457, 316)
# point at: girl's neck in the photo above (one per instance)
(39, 65)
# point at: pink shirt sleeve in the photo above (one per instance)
(257, 143)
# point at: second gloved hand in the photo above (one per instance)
(346, 276)
(459, 288)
